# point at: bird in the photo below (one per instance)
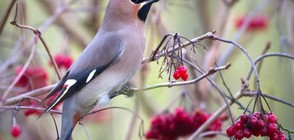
(108, 62)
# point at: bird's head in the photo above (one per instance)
(126, 11)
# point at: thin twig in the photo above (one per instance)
(208, 35)
(19, 75)
(265, 50)
(16, 107)
(230, 93)
(32, 93)
(213, 117)
(55, 125)
(6, 15)
(225, 55)
(277, 54)
(160, 54)
(85, 129)
(251, 94)
(171, 84)
(39, 35)
(214, 37)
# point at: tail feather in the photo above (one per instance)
(55, 90)
(70, 117)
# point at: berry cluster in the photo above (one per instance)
(32, 78)
(257, 23)
(181, 72)
(63, 61)
(15, 131)
(256, 124)
(170, 126)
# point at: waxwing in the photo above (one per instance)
(108, 62)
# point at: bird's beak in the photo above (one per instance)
(143, 12)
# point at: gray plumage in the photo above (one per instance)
(109, 61)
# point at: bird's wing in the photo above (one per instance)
(57, 88)
(75, 79)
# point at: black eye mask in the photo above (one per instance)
(137, 1)
(143, 12)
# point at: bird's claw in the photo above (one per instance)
(125, 90)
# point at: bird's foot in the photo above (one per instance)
(125, 90)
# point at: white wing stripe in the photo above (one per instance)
(68, 83)
(90, 76)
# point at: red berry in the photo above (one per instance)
(260, 124)
(184, 77)
(216, 125)
(203, 117)
(255, 133)
(155, 120)
(256, 23)
(63, 61)
(176, 75)
(282, 136)
(263, 132)
(257, 114)
(32, 78)
(274, 136)
(238, 125)
(16, 131)
(247, 133)
(272, 128)
(239, 134)
(244, 118)
(152, 135)
(182, 70)
(272, 118)
(253, 121)
(230, 131)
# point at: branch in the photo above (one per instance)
(6, 15)
(214, 37)
(39, 35)
(16, 107)
(217, 113)
(251, 94)
(208, 35)
(171, 84)
(19, 75)
(277, 54)
(32, 93)
(160, 54)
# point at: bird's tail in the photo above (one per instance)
(69, 120)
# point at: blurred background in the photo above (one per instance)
(68, 26)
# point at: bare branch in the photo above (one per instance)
(213, 117)
(15, 107)
(277, 54)
(171, 84)
(39, 35)
(32, 93)
(6, 15)
(251, 94)
(19, 75)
